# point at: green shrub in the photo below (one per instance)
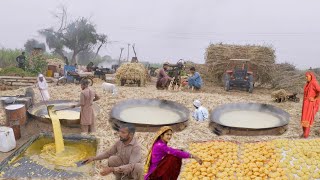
(8, 57)
(14, 71)
(36, 64)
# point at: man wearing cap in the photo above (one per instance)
(163, 78)
(201, 113)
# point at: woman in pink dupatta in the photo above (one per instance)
(164, 162)
(310, 105)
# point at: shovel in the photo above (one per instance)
(81, 163)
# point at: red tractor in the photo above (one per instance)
(238, 74)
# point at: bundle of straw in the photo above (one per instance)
(55, 61)
(131, 71)
(262, 60)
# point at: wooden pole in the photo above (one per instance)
(135, 54)
(128, 52)
(120, 55)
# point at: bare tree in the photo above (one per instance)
(78, 36)
(102, 39)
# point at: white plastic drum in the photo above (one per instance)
(8, 141)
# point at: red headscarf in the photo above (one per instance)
(313, 84)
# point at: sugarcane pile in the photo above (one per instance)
(286, 76)
(317, 71)
(131, 72)
(55, 62)
(262, 60)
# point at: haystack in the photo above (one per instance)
(55, 62)
(262, 60)
(132, 71)
(286, 76)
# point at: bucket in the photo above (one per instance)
(56, 75)
(16, 116)
(49, 73)
(7, 137)
(53, 68)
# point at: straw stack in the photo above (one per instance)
(55, 61)
(286, 76)
(262, 60)
(131, 71)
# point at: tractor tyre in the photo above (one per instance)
(227, 85)
(62, 81)
(88, 79)
(122, 82)
(226, 77)
(251, 84)
(250, 87)
(227, 82)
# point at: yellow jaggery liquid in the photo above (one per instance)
(72, 154)
(58, 139)
(42, 151)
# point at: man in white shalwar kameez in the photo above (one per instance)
(201, 113)
(43, 87)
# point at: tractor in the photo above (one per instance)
(238, 74)
(176, 71)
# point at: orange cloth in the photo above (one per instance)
(310, 108)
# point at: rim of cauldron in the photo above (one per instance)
(115, 111)
(35, 106)
(268, 108)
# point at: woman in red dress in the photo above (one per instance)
(310, 105)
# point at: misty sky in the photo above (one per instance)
(175, 29)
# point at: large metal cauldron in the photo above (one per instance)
(38, 110)
(220, 128)
(180, 124)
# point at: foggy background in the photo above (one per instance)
(181, 29)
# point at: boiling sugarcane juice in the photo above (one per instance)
(249, 119)
(149, 115)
